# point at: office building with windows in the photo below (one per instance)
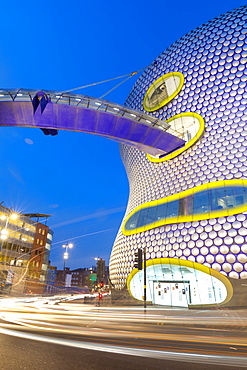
(187, 208)
(25, 250)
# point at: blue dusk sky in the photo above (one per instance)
(78, 178)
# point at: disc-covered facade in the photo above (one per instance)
(188, 208)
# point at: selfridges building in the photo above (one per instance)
(188, 209)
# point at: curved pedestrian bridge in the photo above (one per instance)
(52, 111)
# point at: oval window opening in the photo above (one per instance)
(207, 201)
(188, 126)
(184, 126)
(163, 90)
(178, 283)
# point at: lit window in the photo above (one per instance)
(187, 126)
(163, 90)
(205, 201)
(49, 236)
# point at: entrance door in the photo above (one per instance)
(171, 293)
(179, 294)
(162, 294)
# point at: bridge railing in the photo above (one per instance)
(85, 101)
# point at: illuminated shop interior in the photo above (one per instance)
(180, 285)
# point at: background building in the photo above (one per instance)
(51, 279)
(84, 277)
(25, 250)
(188, 208)
(63, 278)
(76, 280)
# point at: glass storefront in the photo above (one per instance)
(178, 285)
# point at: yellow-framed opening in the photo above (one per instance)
(188, 218)
(188, 144)
(190, 264)
(156, 84)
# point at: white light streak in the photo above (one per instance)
(165, 355)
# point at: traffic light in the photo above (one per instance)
(138, 259)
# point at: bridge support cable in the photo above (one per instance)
(129, 75)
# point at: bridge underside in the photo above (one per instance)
(73, 118)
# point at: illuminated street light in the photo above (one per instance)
(66, 254)
(13, 216)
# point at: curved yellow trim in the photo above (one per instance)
(188, 144)
(159, 81)
(190, 264)
(188, 218)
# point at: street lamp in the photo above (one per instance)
(66, 254)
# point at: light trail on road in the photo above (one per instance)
(125, 330)
(177, 356)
